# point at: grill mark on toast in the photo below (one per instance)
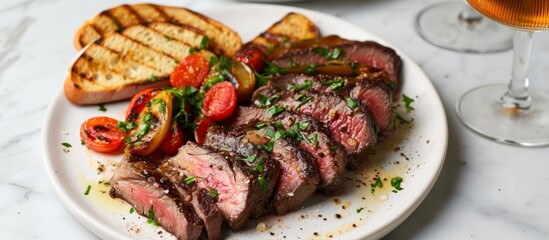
(134, 13)
(123, 16)
(174, 54)
(140, 45)
(161, 12)
(100, 29)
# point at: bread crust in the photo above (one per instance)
(78, 96)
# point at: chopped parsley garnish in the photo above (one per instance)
(359, 210)
(303, 100)
(304, 125)
(274, 110)
(145, 126)
(306, 85)
(401, 119)
(104, 183)
(67, 145)
(277, 125)
(213, 60)
(102, 108)
(214, 193)
(161, 103)
(314, 139)
(251, 158)
(204, 42)
(82, 142)
(272, 68)
(395, 182)
(285, 38)
(269, 146)
(335, 84)
(269, 132)
(265, 101)
(260, 80)
(333, 54)
(391, 85)
(269, 50)
(153, 78)
(176, 61)
(189, 180)
(292, 63)
(407, 102)
(125, 127)
(128, 139)
(262, 183)
(151, 219)
(351, 102)
(132, 210)
(310, 69)
(261, 125)
(193, 50)
(334, 147)
(377, 184)
(88, 190)
(259, 167)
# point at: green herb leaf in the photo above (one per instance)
(261, 125)
(334, 147)
(189, 180)
(153, 78)
(303, 100)
(272, 68)
(82, 142)
(262, 183)
(335, 84)
(314, 139)
(306, 85)
(391, 85)
(67, 145)
(251, 158)
(122, 126)
(274, 110)
(310, 69)
(265, 101)
(304, 125)
(260, 80)
(407, 102)
(400, 118)
(132, 210)
(333, 54)
(269, 50)
(102, 108)
(193, 50)
(214, 193)
(351, 102)
(128, 139)
(359, 210)
(269, 133)
(395, 182)
(151, 219)
(204, 42)
(278, 125)
(88, 190)
(285, 38)
(379, 183)
(161, 103)
(293, 64)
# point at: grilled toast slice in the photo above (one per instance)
(293, 27)
(126, 61)
(224, 40)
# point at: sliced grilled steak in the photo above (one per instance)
(368, 53)
(330, 156)
(201, 199)
(373, 94)
(241, 193)
(298, 176)
(137, 182)
(352, 127)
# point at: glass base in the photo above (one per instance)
(480, 110)
(444, 25)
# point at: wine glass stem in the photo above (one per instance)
(469, 15)
(517, 95)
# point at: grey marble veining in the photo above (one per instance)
(485, 191)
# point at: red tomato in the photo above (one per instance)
(253, 56)
(138, 102)
(171, 143)
(101, 134)
(201, 129)
(191, 71)
(220, 101)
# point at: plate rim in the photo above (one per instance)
(105, 231)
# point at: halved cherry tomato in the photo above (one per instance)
(191, 71)
(220, 101)
(173, 140)
(253, 56)
(202, 125)
(101, 134)
(138, 102)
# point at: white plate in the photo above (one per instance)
(416, 153)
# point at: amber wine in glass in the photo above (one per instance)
(511, 113)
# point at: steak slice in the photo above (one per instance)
(352, 127)
(373, 94)
(241, 193)
(298, 176)
(137, 182)
(330, 156)
(368, 53)
(201, 199)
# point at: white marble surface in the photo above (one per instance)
(486, 190)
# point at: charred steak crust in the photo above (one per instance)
(239, 189)
(137, 182)
(352, 127)
(298, 174)
(369, 53)
(372, 93)
(330, 156)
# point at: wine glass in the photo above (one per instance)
(511, 113)
(456, 26)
